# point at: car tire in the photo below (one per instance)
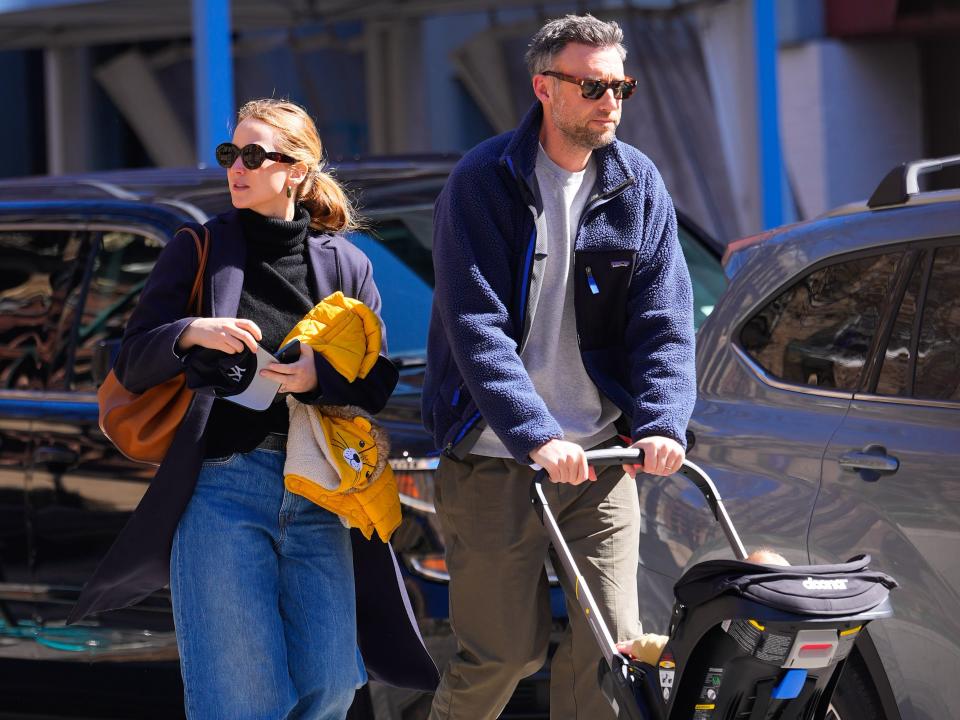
(855, 696)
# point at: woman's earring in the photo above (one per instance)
(289, 193)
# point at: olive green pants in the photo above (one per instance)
(499, 594)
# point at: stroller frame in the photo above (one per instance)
(634, 689)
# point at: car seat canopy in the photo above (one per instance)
(825, 591)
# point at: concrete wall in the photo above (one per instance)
(726, 30)
(849, 111)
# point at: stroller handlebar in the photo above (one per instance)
(614, 456)
(689, 470)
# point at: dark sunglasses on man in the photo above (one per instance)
(594, 89)
(252, 155)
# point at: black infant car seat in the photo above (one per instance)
(756, 641)
(747, 641)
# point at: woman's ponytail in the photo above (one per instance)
(329, 207)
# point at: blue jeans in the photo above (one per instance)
(263, 598)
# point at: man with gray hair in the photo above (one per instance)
(562, 320)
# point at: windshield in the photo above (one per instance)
(706, 275)
(399, 247)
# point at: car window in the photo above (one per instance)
(706, 276)
(120, 270)
(818, 331)
(896, 373)
(399, 248)
(938, 350)
(41, 283)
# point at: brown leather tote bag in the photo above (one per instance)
(142, 425)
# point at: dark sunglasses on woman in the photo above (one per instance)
(594, 89)
(252, 155)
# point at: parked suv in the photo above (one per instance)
(829, 417)
(74, 254)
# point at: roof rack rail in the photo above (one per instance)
(903, 181)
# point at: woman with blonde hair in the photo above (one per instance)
(261, 580)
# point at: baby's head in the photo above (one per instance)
(766, 556)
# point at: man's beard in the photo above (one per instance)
(582, 135)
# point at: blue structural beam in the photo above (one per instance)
(212, 76)
(20, 5)
(768, 120)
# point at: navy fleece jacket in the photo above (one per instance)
(633, 299)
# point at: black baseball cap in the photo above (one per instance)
(218, 373)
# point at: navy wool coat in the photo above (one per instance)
(138, 563)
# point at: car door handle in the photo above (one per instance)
(872, 458)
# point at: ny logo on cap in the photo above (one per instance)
(236, 373)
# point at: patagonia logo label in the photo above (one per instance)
(619, 263)
(811, 584)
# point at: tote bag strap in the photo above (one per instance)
(195, 304)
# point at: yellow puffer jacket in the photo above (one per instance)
(337, 455)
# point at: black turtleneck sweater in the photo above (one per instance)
(276, 297)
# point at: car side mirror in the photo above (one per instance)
(104, 356)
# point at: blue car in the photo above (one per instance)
(75, 252)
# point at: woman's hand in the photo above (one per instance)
(226, 334)
(295, 377)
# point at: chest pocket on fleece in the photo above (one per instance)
(601, 285)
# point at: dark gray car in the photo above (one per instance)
(829, 417)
